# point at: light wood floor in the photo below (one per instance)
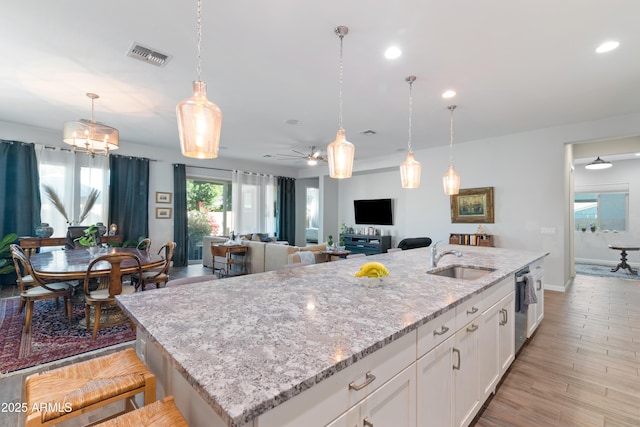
(582, 366)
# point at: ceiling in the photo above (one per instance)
(515, 66)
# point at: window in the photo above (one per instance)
(207, 212)
(72, 176)
(604, 210)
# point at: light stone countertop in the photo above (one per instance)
(249, 343)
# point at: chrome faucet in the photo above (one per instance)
(435, 256)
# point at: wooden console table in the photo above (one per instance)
(32, 244)
(225, 268)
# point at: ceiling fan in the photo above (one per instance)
(313, 157)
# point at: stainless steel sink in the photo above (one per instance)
(463, 272)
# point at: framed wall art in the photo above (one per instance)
(473, 205)
(162, 197)
(163, 213)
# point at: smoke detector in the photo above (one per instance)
(148, 55)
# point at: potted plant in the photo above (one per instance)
(329, 242)
(582, 227)
(89, 239)
(341, 245)
(7, 270)
(593, 227)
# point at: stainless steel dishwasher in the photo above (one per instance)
(520, 309)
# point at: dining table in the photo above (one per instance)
(63, 265)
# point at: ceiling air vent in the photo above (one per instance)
(148, 55)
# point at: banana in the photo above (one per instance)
(372, 269)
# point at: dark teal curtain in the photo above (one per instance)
(180, 224)
(286, 209)
(19, 189)
(129, 196)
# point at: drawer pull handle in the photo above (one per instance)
(443, 330)
(472, 328)
(473, 310)
(455, 350)
(369, 378)
(539, 285)
(505, 317)
(367, 423)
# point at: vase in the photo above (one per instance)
(44, 230)
(102, 229)
(93, 250)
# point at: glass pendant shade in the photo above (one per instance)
(410, 172)
(340, 156)
(451, 182)
(199, 123)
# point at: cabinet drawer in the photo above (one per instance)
(436, 331)
(496, 292)
(468, 310)
(326, 400)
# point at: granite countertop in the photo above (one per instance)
(249, 343)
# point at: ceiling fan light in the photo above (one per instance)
(312, 161)
(451, 182)
(410, 172)
(340, 155)
(598, 164)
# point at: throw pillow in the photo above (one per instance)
(264, 237)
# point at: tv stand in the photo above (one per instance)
(366, 243)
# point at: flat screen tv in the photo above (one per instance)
(373, 212)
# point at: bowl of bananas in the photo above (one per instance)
(372, 273)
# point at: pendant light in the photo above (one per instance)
(340, 152)
(451, 179)
(598, 164)
(410, 168)
(90, 137)
(199, 120)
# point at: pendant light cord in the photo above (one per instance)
(451, 108)
(199, 69)
(410, 113)
(340, 73)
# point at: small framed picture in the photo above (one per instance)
(163, 197)
(163, 213)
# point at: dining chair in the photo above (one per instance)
(144, 244)
(34, 288)
(110, 285)
(158, 276)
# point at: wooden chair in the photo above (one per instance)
(144, 244)
(158, 276)
(57, 395)
(161, 413)
(34, 288)
(104, 296)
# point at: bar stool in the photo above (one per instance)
(66, 392)
(161, 413)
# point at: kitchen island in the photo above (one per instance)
(256, 350)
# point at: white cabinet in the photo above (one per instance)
(497, 343)
(465, 373)
(435, 386)
(535, 312)
(392, 404)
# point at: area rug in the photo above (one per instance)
(604, 271)
(51, 337)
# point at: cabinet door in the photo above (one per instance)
(434, 386)
(535, 313)
(393, 404)
(465, 373)
(507, 344)
(488, 349)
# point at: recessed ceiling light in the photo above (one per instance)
(292, 121)
(607, 46)
(449, 94)
(393, 52)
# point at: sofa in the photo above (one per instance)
(264, 256)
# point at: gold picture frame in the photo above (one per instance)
(163, 213)
(162, 197)
(473, 205)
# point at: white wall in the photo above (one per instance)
(593, 247)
